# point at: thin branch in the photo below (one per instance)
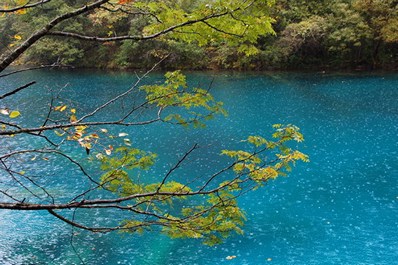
(10, 172)
(35, 184)
(72, 233)
(177, 165)
(35, 68)
(27, 5)
(92, 229)
(10, 196)
(136, 38)
(44, 31)
(220, 30)
(101, 229)
(114, 99)
(52, 151)
(72, 124)
(17, 90)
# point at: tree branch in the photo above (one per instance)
(17, 90)
(27, 5)
(35, 68)
(137, 38)
(44, 31)
(74, 224)
(177, 165)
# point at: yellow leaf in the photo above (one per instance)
(17, 37)
(58, 133)
(21, 11)
(80, 128)
(73, 111)
(73, 119)
(77, 135)
(14, 114)
(63, 108)
(270, 172)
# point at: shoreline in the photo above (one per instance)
(320, 70)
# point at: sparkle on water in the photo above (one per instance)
(341, 208)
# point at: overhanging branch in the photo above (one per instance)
(136, 37)
(44, 31)
(17, 90)
(27, 5)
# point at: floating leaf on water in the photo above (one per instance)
(230, 257)
(123, 134)
(99, 156)
(14, 114)
(127, 142)
(60, 108)
(4, 111)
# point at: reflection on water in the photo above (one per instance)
(339, 209)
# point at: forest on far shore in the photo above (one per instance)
(321, 34)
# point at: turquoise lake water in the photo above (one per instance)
(341, 208)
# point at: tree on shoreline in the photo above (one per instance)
(203, 208)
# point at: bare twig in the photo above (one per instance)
(17, 90)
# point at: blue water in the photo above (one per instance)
(341, 208)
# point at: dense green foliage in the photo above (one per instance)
(339, 33)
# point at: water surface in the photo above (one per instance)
(341, 208)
